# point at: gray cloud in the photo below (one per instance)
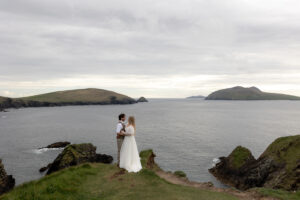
(48, 40)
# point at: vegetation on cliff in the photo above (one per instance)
(239, 157)
(252, 93)
(90, 96)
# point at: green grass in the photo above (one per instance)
(99, 181)
(279, 194)
(285, 149)
(239, 156)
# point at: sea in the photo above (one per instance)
(185, 134)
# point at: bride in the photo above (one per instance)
(129, 155)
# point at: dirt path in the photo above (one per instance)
(170, 177)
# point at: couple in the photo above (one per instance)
(128, 155)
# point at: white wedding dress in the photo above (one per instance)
(129, 155)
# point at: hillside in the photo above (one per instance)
(252, 93)
(88, 96)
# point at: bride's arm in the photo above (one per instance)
(129, 132)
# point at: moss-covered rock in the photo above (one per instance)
(7, 182)
(230, 168)
(240, 157)
(76, 154)
(285, 152)
(180, 174)
(278, 167)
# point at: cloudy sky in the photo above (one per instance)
(152, 48)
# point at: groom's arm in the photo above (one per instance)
(119, 129)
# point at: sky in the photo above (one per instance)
(150, 48)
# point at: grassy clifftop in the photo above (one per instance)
(91, 181)
(102, 181)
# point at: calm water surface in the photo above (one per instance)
(185, 134)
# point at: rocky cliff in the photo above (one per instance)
(7, 182)
(278, 167)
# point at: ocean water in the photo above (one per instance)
(185, 134)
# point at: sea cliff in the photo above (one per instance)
(277, 168)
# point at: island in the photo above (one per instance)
(196, 97)
(89, 96)
(252, 93)
(142, 99)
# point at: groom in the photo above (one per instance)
(120, 133)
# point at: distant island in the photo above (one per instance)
(252, 93)
(89, 96)
(196, 97)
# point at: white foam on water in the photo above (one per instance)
(215, 161)
(43, 150)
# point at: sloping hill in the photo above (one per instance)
(252, 93)
(90, 96)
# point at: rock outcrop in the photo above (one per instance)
(142, 99)
(76, 154)
(7, 182)
(278, 167)
(147, 159)
(57, 145)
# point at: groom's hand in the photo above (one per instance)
(121, 133)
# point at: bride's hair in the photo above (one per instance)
(131, 121)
